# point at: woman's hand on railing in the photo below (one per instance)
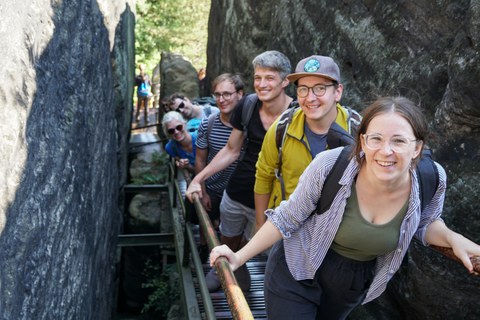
(193, 188)
(182, 163)
(224, 251)
(466, 251)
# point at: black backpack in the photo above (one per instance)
(426, 169)
(247, 111)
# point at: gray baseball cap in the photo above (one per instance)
(320, 66)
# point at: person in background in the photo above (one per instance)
(320, 114)
(181, 144)
(237, 209)
(213, 135)
(194, 113)
(329, 263)
(144, 93)
(202, 81)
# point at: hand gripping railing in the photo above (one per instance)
(235, 298)
(448, 252)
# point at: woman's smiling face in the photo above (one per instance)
(173, 127)
(384, 163)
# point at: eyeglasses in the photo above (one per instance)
(226, 95)
(318, 90)
(399, 144)
(178, 128)
(181, 105)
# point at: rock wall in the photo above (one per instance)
(67, 74)
(177, 75)
(426, 50)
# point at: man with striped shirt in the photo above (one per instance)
(213, 134)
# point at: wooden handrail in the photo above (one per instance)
(235, 298)
(448, 252)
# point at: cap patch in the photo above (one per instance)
(312, 65)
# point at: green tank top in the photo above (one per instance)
(360, 240)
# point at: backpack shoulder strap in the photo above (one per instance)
(247, 111)
(338, 137)
(280, 134)
(208, 110)
(428, 179)
(353, 120)
(211, 121)
(282, 126)
(331, 185)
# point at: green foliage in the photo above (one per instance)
(158, 172)
(160, 159)
(178, 26)
(165, 288)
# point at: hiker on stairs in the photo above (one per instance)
(367, 229)
(252, 117)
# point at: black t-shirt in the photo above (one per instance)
(242, 181)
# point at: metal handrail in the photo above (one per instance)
(209, 311)
(147, 126)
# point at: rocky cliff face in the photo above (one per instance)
(426, 50)
(66, 74)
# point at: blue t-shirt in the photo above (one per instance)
(194, 124)
(174, 149)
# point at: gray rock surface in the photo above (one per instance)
(426, 50)
(66, 73)
(177, 75)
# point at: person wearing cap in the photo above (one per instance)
(319, 90)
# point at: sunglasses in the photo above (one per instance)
(181, 106)
(178, 128)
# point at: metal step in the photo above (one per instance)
(254, 296)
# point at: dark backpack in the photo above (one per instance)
(426, 169)
(247, 111)
(336, 136)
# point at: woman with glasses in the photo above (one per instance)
(181, 144)
(327, 264)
